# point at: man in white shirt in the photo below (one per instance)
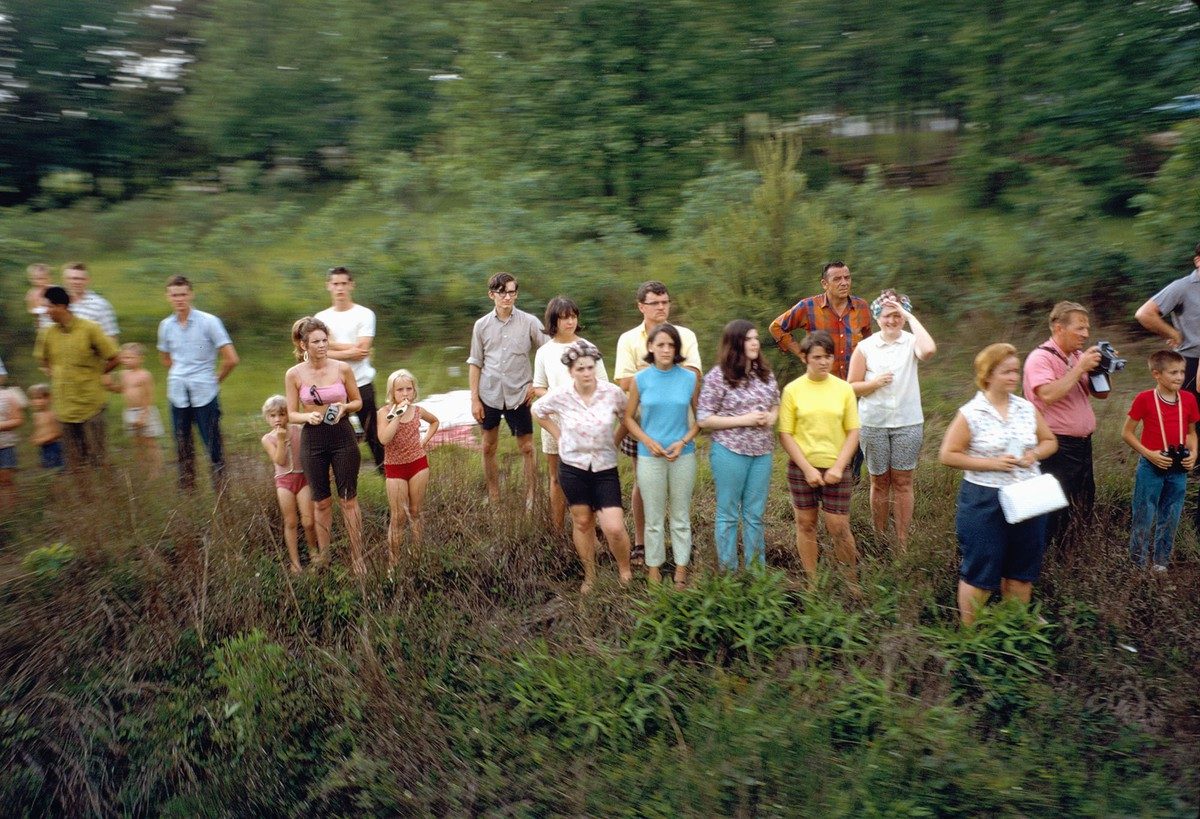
(351, 335)
(87, 303)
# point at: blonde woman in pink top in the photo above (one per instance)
(405, 467)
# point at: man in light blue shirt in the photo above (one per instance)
(190, 343)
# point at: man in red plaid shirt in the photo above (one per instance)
(847, 318)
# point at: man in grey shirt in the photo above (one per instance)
(87, 303)
(502, 380)
(1180, 300)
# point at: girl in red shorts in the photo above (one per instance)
(405, 467)
(282, 444)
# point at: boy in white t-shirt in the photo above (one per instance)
(351, 336)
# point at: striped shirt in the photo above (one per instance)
(95, 307)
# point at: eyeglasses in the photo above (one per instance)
(662, 303)
(314, 395)
(506, 294)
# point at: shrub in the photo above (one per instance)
(46, 562)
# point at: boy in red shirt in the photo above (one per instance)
(1168, 449)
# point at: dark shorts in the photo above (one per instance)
(405, 472)
(8, 457)
(291, 481)
(52, 455)
(835, 500)
(520, 421)
(597, 490)
(323, 446)
(992, 548)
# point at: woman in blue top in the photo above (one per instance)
(665, 429)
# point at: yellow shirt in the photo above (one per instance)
(76, 356)
(632, 349)
(818, 415)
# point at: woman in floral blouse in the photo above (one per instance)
(739, 402)
(585, 419)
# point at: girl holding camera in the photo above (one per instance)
(321, 393)
(405, 466)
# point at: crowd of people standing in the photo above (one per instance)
(858, 400)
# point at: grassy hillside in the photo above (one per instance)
(157, 658)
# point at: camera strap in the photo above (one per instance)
(1161, 427)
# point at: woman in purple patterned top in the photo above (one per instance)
(739, 402)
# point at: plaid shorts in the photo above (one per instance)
(629, 446)
(835, 500)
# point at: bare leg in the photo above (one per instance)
(558, 501)
(291, 535)
(583, 533)
(397, 495)
(806, 539)
(881, 490)
(304, 502)
(843, 543)
(612, 523)
(352, 515)
(970, 601)
(491, 472)
(149, 456)
(416, 505)
(529, 462)
(1016, 590)
(903, 500)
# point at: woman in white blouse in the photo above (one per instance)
(996, 438)
(883, 373)
(585, 418)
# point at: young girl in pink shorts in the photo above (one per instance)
(282, 444)
(405, 467)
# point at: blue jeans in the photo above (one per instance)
(1157, 505)
(742, 482)
(208, 421)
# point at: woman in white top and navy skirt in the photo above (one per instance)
(997, 439)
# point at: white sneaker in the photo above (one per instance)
(1158, 568)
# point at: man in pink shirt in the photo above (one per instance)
(1056, 382)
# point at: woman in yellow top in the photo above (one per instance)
(818, 427)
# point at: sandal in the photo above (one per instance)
(637, 555)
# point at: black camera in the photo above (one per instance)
(1109, 364)
(1177, 454)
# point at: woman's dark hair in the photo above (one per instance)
(670, 330)
(817, 338)
(559, 307)
(731, 355)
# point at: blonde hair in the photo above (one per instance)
(989, 358)
(300, 332)
(39, 391)
(275, 402)
(1063, 310)
(38, 269)
(133, 347)
(396, 376)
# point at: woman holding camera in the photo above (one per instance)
(997, 439)
(321, 393)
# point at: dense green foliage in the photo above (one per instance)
(617, 104)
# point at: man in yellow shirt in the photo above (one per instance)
(654, 303)
(77, 353)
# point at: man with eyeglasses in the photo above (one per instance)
(654, 303)
(190, 344)
(351, 334)
(501, 377)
